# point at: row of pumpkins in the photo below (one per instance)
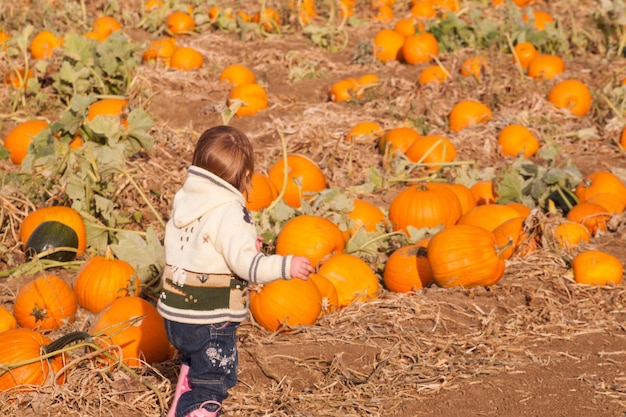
(477, 235)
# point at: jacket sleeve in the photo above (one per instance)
(235, 238)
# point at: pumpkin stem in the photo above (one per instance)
(108, 254)
(65, 340)
(500, 249)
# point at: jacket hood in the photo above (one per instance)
(202, 192)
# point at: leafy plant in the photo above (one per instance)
(91, 67)
(548, 187)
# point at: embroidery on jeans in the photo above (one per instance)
(215, 355)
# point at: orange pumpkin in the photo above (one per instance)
(432, 74)
(512, 238)
(303, 176)
(572, 95)
(521, 208)
(592, 216)
(488, 216)
(109, 107)
(388, 45)
(516, 139)
(253, 97)
(44, 43)
(595, 267)
(20, 345)
(261, 193)
(475, 66)
(544, 66)
(186, 58)
(463, 193)
(20, 137)
(312, 236)
(468, 113)
(364, 131)
(367, 215)
(483, 192)
(237, 74)
(47, 303)
(62, 214)
(282, 303)
(600, 182)
(398, 139)
(424, 205)
(613, 203)
(431, 150)
(134, 325)
(161, 50)
(401, 272)
(330, 299)
(353, 278)
(570, 234)
(7, 319)
(466, 256)
(523, 53)
(418, 48)
(104, 278)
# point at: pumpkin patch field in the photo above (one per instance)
(455, 170)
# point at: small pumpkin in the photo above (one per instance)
(353, 278)
(431, 150)
(465, 256)
(7, 319)
(51, 236)
(62, 214)
(104, 278)
(515, 140)
(398, 139)
(484, 192)
(367, 215)
(20, 137)
(573, 95)
(47, 303)
(253, 99)
(467, 113)
(596, 267)
(593, 216)
(134, 325)
(303, 176)
(328, 292)
(21, 345)
(401, 272)
(312, 236)
(282, 303)
(261, 193)
(570, 234)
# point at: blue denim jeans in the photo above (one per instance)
(210, 350)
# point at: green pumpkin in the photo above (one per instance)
(51, 235)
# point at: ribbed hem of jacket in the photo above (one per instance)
(200, 317)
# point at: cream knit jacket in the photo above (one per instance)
(211, 255)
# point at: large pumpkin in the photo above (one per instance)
(102, 279)
(20, 345)
(303, 176)
(46, 303)
(311, 236)
(134, 325)
(466, 256)
(593, 216)
(595, 267)
(62, 214)
(424, 205)
(353, 278)
(294, 302)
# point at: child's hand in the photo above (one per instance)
(301, 267)
(259, 243)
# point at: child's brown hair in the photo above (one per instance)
(226, 152)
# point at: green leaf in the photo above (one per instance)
(146, 256)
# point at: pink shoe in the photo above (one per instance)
(203, 412)
(182, 386)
